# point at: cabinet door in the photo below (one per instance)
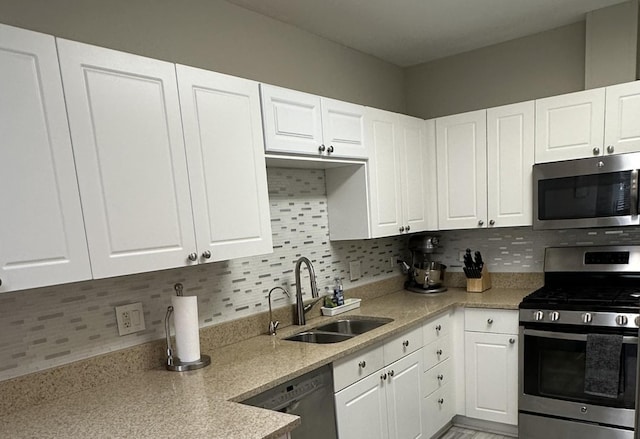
(570, 126)
(126, 130)
(622, 130)
(42, 239)
(361, 410)
(491, 363)
(343, 129)
(227, 172)
(417, 164)
(462, 170)
(404, 397)
(510, 145)
(292, 121)
(381, 137)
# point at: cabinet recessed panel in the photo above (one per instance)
(558, 119)
(42, 240)
(386, 169)
(461, 170)
(294, 120)
(622, 130)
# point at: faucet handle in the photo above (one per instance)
(273, 325)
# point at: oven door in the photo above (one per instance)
(552, 378)
(592, 192)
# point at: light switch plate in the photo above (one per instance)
(130, 318)
(355, 269)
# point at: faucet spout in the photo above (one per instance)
(300, 308)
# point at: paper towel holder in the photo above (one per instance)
(174, 363)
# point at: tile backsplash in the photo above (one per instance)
(47, 327)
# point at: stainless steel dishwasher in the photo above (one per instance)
(309, 396)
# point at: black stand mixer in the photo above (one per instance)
(424, 275)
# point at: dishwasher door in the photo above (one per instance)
(309, 396)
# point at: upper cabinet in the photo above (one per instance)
(588, 123)
(42, 237)
(302, 123)
(127, 137)
(485, 159)
(227, 173)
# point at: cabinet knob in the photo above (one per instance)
(439, 352)
(610, 149)
(492, 222)
(330, 149)
(408, 228)
(405, 343)
(441, 401)
(440, 377)
(206, 254)
(438, 328)
(490, 321)
(391, 373)
(0, 282)
(512, 340)
(321, 148)
(193, 256)
(596, 151)
(362, 364)
(481, 223)
(383, 376)
(401, 229)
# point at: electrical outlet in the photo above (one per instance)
(130, 318)
(392, 261)
(355, 269)
(461, 256)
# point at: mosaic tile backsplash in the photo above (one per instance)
(47, 327)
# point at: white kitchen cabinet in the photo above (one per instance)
(302, 123)
(401, 168)
(385, 404)
(225, 155)
(491, 365)
(462, 170)
(128, 144)
(510, 158)
(622, 113)
(570, 126)
(42, 237)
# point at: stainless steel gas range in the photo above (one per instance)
(579, 346)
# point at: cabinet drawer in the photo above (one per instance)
(439, 408)
(437, 327)
(437, 377)
(356, 366)
(501, 321)
(436, 352)
(402, 345)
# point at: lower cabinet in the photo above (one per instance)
(386, 404)
(491, 365)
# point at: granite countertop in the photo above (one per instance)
(204, 403)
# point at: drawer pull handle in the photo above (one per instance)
(405, 343)
(383, 376)
(440, 377)
(439, 352)
(441, 401)
(438, 328)
(490, 321)
(512, 340)
(362, 364)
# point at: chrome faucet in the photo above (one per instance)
(301, 309)
(273, 324)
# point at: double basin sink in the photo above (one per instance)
(339, 330)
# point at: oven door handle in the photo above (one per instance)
(634, 192)
(627, 339)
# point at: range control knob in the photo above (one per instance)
(622, 320)
(587, 317)
(538, 315)
(554, 316)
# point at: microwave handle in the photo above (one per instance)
(634, 192)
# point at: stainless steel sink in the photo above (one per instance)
(339, 330)
(353, 326)
(319, 337)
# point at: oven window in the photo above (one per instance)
(585, 196)
(555, 368)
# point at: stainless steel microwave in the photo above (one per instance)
(591, 192)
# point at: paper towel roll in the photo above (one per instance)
(185, 320)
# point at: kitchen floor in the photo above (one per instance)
(463, 433)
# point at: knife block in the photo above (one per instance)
(481, 284)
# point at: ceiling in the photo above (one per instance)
(409, 32)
